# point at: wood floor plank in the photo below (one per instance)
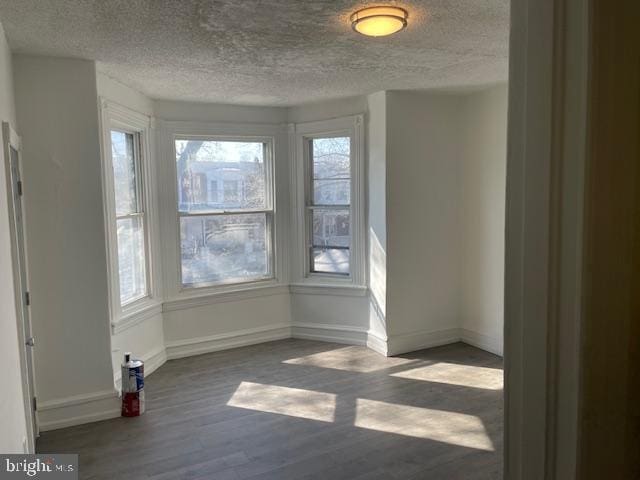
(298, 409)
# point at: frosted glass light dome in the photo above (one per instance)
(379, 21)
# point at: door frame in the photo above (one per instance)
(546, 163)
(609, 422)
(10, 139)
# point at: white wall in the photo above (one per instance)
(7, 104)
(482, 215)
(208, 112)
(12, 411)
(316, 111)
(445, 181)
(423, 227)
(124, 95)
(57, 110)
(226, 324)
(377, 211)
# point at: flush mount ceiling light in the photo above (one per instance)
(379, 21)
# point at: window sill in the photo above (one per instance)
(227, 295)
(325, 289)
(135, 315)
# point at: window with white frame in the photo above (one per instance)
(129, 210)
(225, 210)
(330, 202)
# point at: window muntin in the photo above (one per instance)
(329, 205)
(226, 211)
(130, 216)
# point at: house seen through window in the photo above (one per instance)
(130, 215)
(329, 205)
(225, 209)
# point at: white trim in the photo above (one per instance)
(145, 313)
(411, 342)
(377, 343)
(233, 295)
(329, 333)
(269, 211)
(75, 400)
(482, 341)
(332, 290)
(178, 127)
(224, 341)
(349, 335)
(154, 360)
(273, 135)
(48, 425)
(117, 116)
(78, 409)
(352, 126)
(23, 322)
(546, 156)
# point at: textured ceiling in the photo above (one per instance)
(266, 52)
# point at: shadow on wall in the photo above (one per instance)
(377, 286)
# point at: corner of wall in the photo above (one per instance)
(62, 160)
(13, 424)
(482, 216)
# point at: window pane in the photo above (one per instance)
(331, 158)
(131, 259)
(220, 175)
(332, 192)
(330, 260)
(331, 184)
(224, 248)
(125, 182)
(331, 228)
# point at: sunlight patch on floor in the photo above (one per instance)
(293, 402)
(351, 359)
(442, 426)
(456, 374)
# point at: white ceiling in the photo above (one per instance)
(266, 52)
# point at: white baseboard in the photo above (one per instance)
(78, 409)
(348, 335)
(325, 332)
(238, 338)
(154, 360)
(410, 342)
(485, 342)
(377, 343)
(397, 344)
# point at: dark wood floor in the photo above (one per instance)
(297, 409)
